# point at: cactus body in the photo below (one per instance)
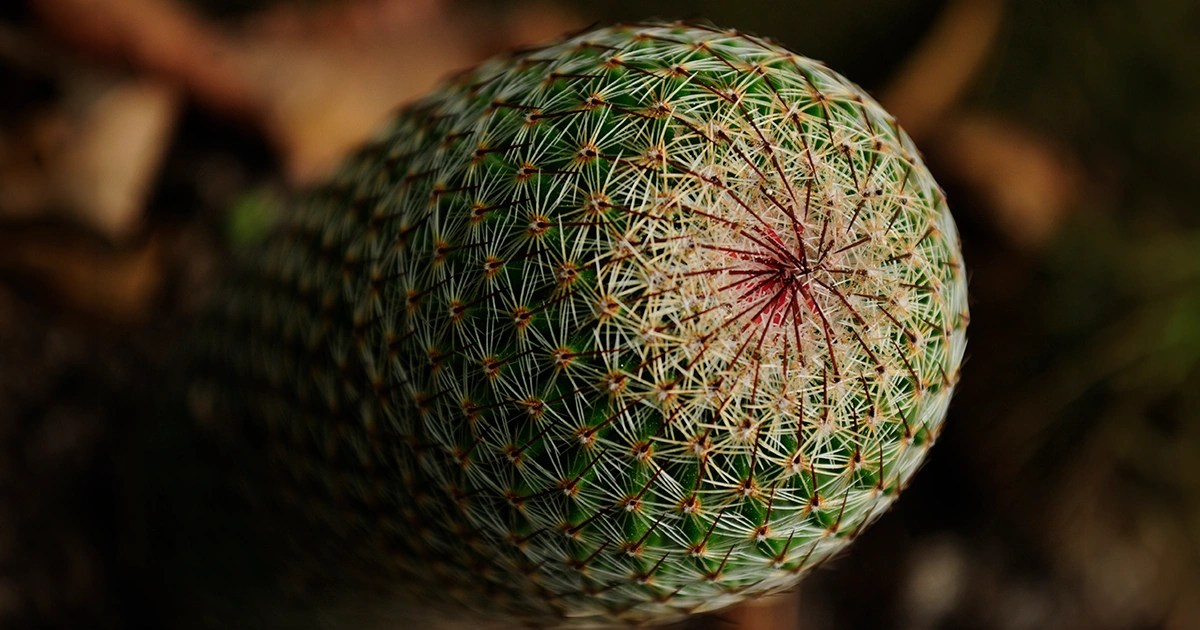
(638, 324)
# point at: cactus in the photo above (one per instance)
(641, 323)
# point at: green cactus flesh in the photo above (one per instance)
(641, 323)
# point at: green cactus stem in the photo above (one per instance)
(641, 323)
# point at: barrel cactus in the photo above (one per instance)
(640, 323)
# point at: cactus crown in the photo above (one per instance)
(637, 324)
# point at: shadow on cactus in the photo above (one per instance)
(634, 325)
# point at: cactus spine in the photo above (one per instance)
(637, 324)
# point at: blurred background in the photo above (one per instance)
(140, 139)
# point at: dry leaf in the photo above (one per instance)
(317, 80)
(93, 154)
(938, 74)
(105, 170)
(1029, 182)
(118, 286)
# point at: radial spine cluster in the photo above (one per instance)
(638, 324)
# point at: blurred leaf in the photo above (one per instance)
(251, 217)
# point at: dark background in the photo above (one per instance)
(140, 139)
